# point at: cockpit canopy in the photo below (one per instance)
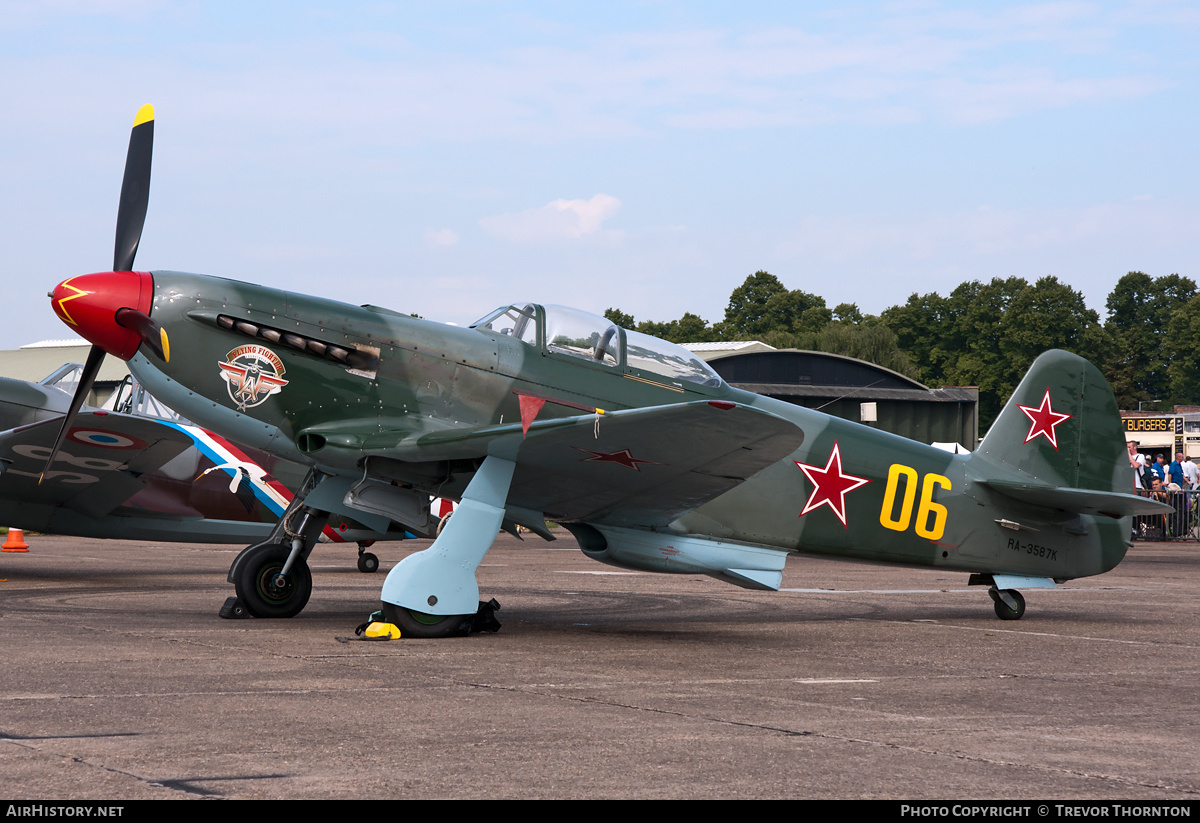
(566, 331)
(512, 321)
(129, 398)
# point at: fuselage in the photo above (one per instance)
(331, 385)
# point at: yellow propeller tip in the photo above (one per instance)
(166, 344)
(145, 114)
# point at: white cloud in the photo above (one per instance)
(903, 63)
(441, 237)
(557, 220)
(988, 231)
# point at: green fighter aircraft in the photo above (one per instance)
(633, 444)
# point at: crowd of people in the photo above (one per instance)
(1163, 481)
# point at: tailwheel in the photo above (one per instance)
(419, 624)
(1009, 603)
(368, 562)
(261, 589)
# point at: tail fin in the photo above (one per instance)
(1058, 445)
(1061, 427)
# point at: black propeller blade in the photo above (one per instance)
(90, 369)
(131, 216)
(135, 190)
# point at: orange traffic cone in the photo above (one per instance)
(15, 542)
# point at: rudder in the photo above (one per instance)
(1062, 427)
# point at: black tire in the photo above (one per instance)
(1003, 610)
(256, 588)
(418, 624)
(368, 563)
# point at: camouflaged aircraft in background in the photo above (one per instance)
(135, 469)
(632, 443)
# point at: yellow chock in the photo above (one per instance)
(382, 631)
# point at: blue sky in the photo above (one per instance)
(445, 158)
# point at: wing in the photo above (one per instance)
(98, 468)
(635, 467)
(647, 466)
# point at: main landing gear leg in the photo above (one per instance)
(272, 578)
(433, 593)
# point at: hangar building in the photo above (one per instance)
(851, 389)
(37, 361)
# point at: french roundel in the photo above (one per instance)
(106, 439)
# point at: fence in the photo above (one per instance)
(1181, 524)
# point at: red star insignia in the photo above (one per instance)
(830, 485)
(1043, 419)
(622, 457)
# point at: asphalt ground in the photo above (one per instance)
(119, 681)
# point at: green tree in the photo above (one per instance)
(847, 313)
(873, 342)
(921, 327)
(762, 304)
(812, 319)
(976, 332)
(1139, 316)
(1183, 333)
(619, 317)
(988, 334)
(655, 328)
(747, 310)
(1049, 315)
(690, 328)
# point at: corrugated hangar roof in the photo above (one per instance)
(712, 351)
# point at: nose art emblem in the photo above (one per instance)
(252, 374)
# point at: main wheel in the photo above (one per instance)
(419, 624)
(1005, 611)
(262, 594)
(368, 562)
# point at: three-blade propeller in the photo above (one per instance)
(131, 216)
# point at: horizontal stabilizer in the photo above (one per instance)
(1079, 501)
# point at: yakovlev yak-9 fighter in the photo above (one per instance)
(632, 443)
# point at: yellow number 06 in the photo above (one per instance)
(933, 530)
